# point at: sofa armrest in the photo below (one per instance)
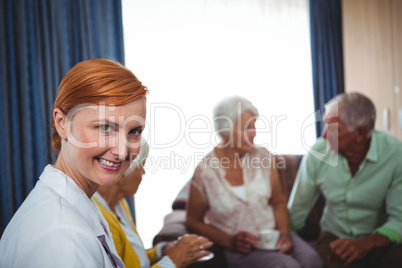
(173, 227)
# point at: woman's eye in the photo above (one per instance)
(135, 132)
(105, 128)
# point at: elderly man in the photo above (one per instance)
(359, 172)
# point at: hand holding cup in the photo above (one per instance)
(188, 249)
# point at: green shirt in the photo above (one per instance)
(370, 202)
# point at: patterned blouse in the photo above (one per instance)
(228, 212)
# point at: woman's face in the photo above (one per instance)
(244, 133)
(129, 184)
(100, 142)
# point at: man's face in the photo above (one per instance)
(337, 134)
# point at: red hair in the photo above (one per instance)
(96, 81)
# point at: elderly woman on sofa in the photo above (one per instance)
(236, 199)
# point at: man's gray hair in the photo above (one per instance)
(354, 110)
(139, 160)
(228, 111)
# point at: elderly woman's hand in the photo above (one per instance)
(284, 243)
(244, 242)
(187, 249)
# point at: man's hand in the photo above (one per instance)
(348, 250)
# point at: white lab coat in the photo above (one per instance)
(57, 226)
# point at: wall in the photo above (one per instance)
(372, 37)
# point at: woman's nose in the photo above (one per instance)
(120, 148)
(324, 131)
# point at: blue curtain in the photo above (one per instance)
(326, 53)
(40, 41)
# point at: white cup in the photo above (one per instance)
(268, 239)
(206, 258)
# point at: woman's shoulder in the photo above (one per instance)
(207, 160)
(207, 169)
(261, 151)
(210, 156)
(43, 209)
(36, 224)
(51, 245)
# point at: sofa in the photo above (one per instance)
(174, 222)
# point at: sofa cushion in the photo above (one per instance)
(181, 199)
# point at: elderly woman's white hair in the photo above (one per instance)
(139, 160)
(228, 111)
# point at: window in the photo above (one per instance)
(192, 54)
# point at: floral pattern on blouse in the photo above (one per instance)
(228, 212)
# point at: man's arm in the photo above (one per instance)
(393, 226)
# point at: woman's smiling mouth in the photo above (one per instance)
(109, 165)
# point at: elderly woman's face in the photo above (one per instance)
(102, 140)
(129, 184)
(244, 133)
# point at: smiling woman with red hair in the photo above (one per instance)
(98, 115)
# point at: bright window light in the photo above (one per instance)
(193, 53)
